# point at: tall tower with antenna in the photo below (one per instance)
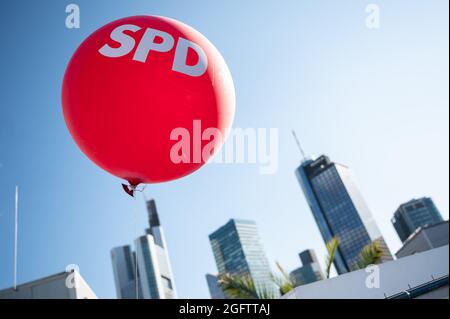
(145, 273)
(339, 210)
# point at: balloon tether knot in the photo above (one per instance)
(130, 189)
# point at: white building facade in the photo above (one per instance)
(65, 285)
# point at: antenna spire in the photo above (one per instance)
(298, 145)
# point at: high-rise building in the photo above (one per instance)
(309, 271)
(339, 210)
(214, 287)
(124, 268)
(308, 256)
(414, 214)
(238, 250)
(153, 273)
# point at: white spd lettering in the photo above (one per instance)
(148, 43)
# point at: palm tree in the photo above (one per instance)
(284, 282)
(332, 246)
(371, 254)
(243, 287)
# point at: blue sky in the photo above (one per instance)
(375, 100)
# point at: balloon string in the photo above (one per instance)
(141, 189)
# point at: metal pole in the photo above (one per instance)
(137, 253)
(15, 236)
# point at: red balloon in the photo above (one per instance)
(135, 80)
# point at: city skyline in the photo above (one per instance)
(375, 100)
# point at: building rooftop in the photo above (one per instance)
(58, 286)
(425, 274)
(422, 228)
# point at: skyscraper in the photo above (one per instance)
(339, 210)
(124, 268)
(153, 272)
(414, 214)
(214, 287)
(309, 271)
(238, 250)
(308, 256)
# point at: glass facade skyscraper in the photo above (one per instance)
(339, 210)
(237, 249)
(414, 214)
(309, 271)
(214, 287)
(153, 272)
(124, 265)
